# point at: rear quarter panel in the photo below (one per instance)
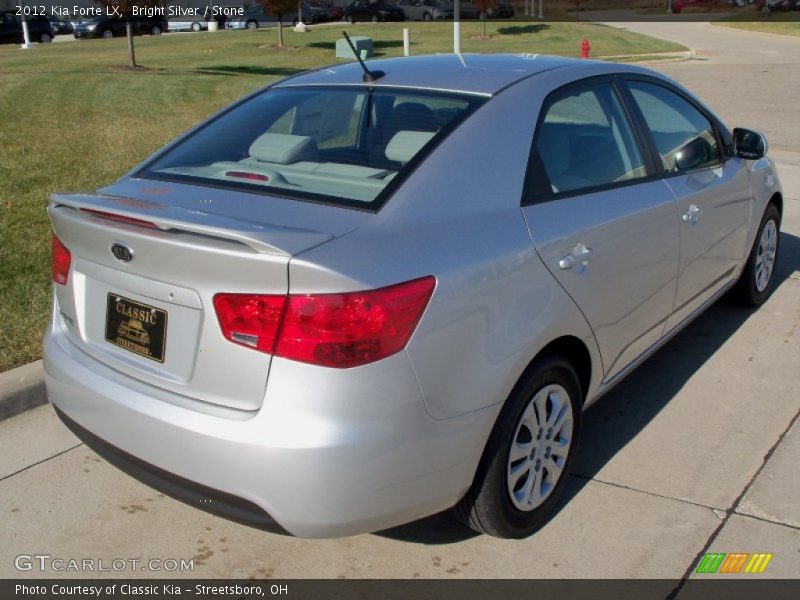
(458, 217)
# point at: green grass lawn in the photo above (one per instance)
(777, 23)
(71, 120)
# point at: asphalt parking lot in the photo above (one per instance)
(696, 452)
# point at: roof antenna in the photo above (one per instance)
(369, 76)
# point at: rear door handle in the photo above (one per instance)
(691, 215)
(579, 255)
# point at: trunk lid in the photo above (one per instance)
(152, 316)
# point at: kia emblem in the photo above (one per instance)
(122, 252)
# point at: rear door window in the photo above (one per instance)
(585, 141)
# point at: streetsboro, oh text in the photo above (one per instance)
(160, 590)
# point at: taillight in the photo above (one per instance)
(61, 261)
(250, 319)
(331, 330)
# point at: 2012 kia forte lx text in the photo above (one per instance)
(352, 300)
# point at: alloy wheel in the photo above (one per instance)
(540, 447)
(765, 255)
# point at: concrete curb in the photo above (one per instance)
(22, 389)
(669, 57)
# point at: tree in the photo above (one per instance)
(278, 8)
(125, 9)
(484, 6)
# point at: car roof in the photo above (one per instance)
(484, 74)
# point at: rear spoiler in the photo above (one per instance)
(264, 239)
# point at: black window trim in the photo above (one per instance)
(720, 132)
(475, 102)
(536, 187)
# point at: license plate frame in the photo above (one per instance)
(136, 327)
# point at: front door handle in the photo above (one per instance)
(691, 215)
(580, 255)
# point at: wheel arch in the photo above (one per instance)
(777, 200)
(575, 351)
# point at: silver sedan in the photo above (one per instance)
(364, 295)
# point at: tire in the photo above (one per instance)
(252, 25)
(756, 281)
(45, 38)
(427, 17)
(488, 507)
(196, 27)
(107, 34)
(156, 30)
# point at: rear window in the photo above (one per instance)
(345, 146)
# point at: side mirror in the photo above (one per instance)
(693, 155)
(749, 144)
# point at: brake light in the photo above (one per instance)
(121, 218)
(331, 330)
(247, 175)
(61, 261)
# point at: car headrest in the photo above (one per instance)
(408, 116)
(405, 144)
(282, 148)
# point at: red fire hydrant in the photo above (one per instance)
(585, 47)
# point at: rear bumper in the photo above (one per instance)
(329, 453)
(202, 497)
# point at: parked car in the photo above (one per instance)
(197, 25)
(365, 302)
(318, 11)
(39, 29)
(468, 10)
(784, 5)
(61, 26)
(503, 11)
(426, 10)
(109, 27)
(253, 18)
(679, 5)
(377, 11)
(336, 12)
